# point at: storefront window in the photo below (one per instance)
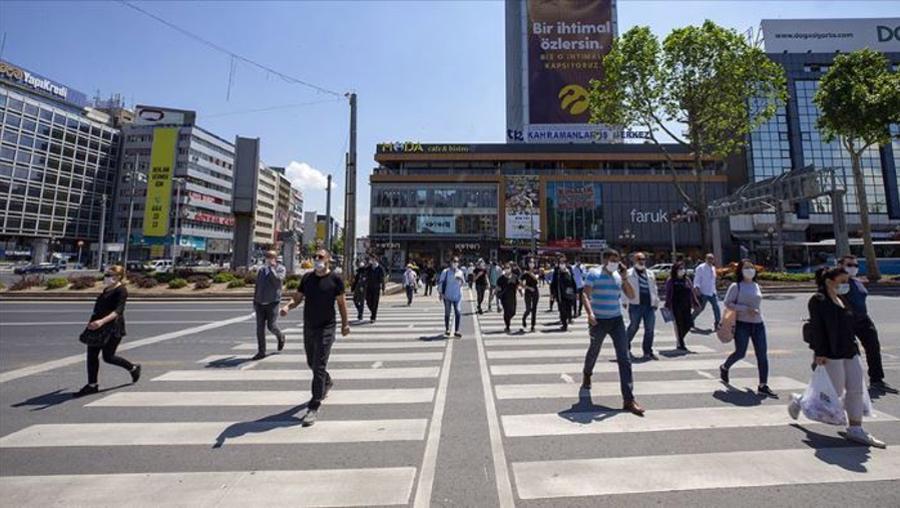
(437, 197)
(574, 210)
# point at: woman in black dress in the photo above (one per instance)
(109, 311)
(530, 281)
(681, 301)
(508, 285)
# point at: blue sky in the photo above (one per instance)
(424, 70)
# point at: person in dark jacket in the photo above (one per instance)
(563, 289)
(681, 300)
(266, 299)
(375, 284)
(531, 279)
(358, 287)
(480, 278)
(863, 326)
(109, 311)
(831, 337)
(508, 286)
(429, 278)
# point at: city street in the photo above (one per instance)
(416, 419)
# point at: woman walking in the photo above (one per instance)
(410, 280)
(107, 321)
(745, 298)
(834, 344)
(681, 302)
(508, 285)
(530, 281)
(359, 290)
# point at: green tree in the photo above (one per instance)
(707, 78)
(858, 99)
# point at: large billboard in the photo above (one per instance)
(831, 35)
(35, 82)
(159, 181)
(522, 207)
(555, 49)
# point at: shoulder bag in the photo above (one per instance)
(98, 337)
(729, 321)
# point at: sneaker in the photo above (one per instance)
(281, 342)
(136, 373)
(457, 335)
(258, 356)
(723, 374)
(765, 390)
(86, 390)
(447, 333)
(794, 407)
(586, 382)
(650, 356)
(859, 435)
(310, 419)
(506, 329)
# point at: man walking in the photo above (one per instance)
(493, 276)
(705, 287)
(863, 326)
(375, 283)
(578, 275)
(643, 306)
(450, 285)
(321, 288)
(481, 282)
(603, 292)
(563, 288)
(410, 281)
(429, 278)
(266, 298)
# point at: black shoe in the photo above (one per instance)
(765, 390)
(565, 328)
(457, 335)
(136, 373)
(86, 390)
(311, 416)
(281, 342)
(723, 374)
(328, 386)
(586, 382)
(681, 347)
(880, 385)
(506, 329)
(650, 356)
(258, 356)
(532, 329)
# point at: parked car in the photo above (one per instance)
(135, 267)
(36, 268)
(201, 266)
(160, 265)
(662, 268)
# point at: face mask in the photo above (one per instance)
(640, 265)
(749, 273)
(109, 281)
(843, 289)
(679, 273)
(320, 265)
(454, 265)
(612, 266)
(852, 270)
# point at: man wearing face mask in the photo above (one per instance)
(705, 287)
(603, 290)
(359, 290)
(321, 288)
(375, 283)
(643, 306)
(863, 326)
(493, 276)
(266, 298)
(578, 275)
(563, 289)
(450, 285)
(481, 282)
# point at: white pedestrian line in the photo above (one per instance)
(611, 388)
(295, 375)
(130, 322)
(367, 331)
(614, 421)
(507, 354)
(70, 360)
(707, 375)
(347, 344)
(560, 341)
(238, 489)
(629, 475)
(263, 398)
(342, 357)
(565, 377)
(605, 366)
(211, 433)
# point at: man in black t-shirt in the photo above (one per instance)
(480, 277)
(375, 280)
(321, 288)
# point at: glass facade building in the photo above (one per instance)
(57, 161)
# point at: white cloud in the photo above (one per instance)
(306, 177)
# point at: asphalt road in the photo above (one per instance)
(414, 419)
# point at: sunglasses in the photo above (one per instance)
(852, 265)
(320, 258)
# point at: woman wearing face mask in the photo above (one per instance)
(745, 297)
(508, 285)
(835, 348)
(681, 302)
(530, 281)
(108, 319)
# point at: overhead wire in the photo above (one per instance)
(271, 108)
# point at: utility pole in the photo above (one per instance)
(175, 240)
(133, 176)
(102, 231)
(328, 215)
(350, 195)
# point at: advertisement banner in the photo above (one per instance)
(159, 181)
(436, 224)
(522, 207)
(146, 115)
(831, 35)
(575, 197)
(566, 43)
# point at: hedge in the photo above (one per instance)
(82, 282)
(236, 283)
(177, 283)
(57, 283)
(223, 277)
(27, 282)
(292, 284)
(203, 283)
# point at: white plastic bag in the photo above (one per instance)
(821, 402)
(867, 401)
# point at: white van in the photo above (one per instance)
(160, 265)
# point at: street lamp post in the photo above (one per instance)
(133, 175)
(177, 222)
(80, 245)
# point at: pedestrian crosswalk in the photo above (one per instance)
(539, 405)
(390, 381)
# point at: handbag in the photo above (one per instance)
(729, 321)
(96, 338)
(666, 314)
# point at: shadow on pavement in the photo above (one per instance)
(836, 451)
(429, 338)
(283, 419)
(57, 397)
(743, 398)
(675, 353)
(585, 411)
(232, 361)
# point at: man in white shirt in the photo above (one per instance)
(705, 287)
(578, 273)
(450, 285)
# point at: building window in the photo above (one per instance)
(574, 210)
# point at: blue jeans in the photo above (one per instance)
(713, 300)
(743, 334)
(615, 328)
(448, 304)
(647, 314)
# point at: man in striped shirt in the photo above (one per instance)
(603, 288)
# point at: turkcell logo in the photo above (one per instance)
(887, 34)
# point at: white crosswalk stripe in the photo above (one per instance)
(295, 375)
(343, 357)
(262, 398)
(410, 344)
(559, 353)
(604, 366)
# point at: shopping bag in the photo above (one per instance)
(821, 402)
(867, 401)
(726, 327)
(666, 314)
